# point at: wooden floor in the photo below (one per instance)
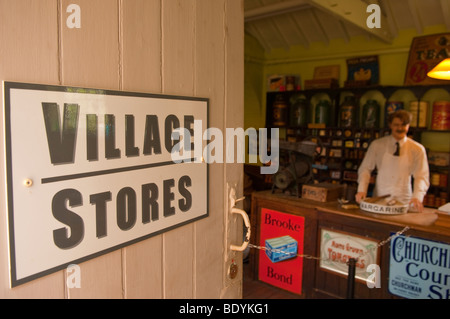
(255, 289)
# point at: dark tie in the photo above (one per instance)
(397, 151)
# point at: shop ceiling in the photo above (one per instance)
(286, 23)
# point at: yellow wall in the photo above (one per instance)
(300, 60)
(254, 80)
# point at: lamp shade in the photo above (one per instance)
(441, 71)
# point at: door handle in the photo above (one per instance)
(244, 215)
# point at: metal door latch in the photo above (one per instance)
(244, 215)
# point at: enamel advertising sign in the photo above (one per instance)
(89, 171)
(425, 53)
(419, 268)
(280, 263)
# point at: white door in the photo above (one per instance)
(173, 47)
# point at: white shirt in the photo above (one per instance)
(417, 164)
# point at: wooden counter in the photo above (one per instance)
(319, 282)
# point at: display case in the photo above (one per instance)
(345, 121)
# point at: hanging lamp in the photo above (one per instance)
(441, 71)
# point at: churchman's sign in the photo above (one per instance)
(89, 171)
(419, 268)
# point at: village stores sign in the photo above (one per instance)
(90, 171)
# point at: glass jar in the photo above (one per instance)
(371, 114)
(298, 112)
(348, 112)
(290, 83)
(280, 111)
(322, 112)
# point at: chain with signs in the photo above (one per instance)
(380, 244)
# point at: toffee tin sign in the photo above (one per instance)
(338, 247)
(89, 171)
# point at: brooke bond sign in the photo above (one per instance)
(90, 171)
(281, 264)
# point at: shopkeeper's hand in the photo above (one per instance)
(360, 196)
(416, 205)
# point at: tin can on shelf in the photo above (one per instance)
(290, 83)
(419, 110)
(431, 200)
(322, 112)
(280, 111)
(391, 107)
(435, 179)
(443, 180)
(298, 112)
(348, 112)
(440, 119)
(371, 114)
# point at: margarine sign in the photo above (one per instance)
(90, 171)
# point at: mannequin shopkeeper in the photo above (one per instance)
(397, 158)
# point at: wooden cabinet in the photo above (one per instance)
(318, 280)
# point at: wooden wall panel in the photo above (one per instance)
(100, 278)
(90, 58)
(141, 45)
(234, 115)
(90, 54)
(141, 72)
(178, 39)
(178, 75)
(29, 41)
(209, 82)
(28, 53)
(143, 271)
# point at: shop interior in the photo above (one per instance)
(308, 65)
